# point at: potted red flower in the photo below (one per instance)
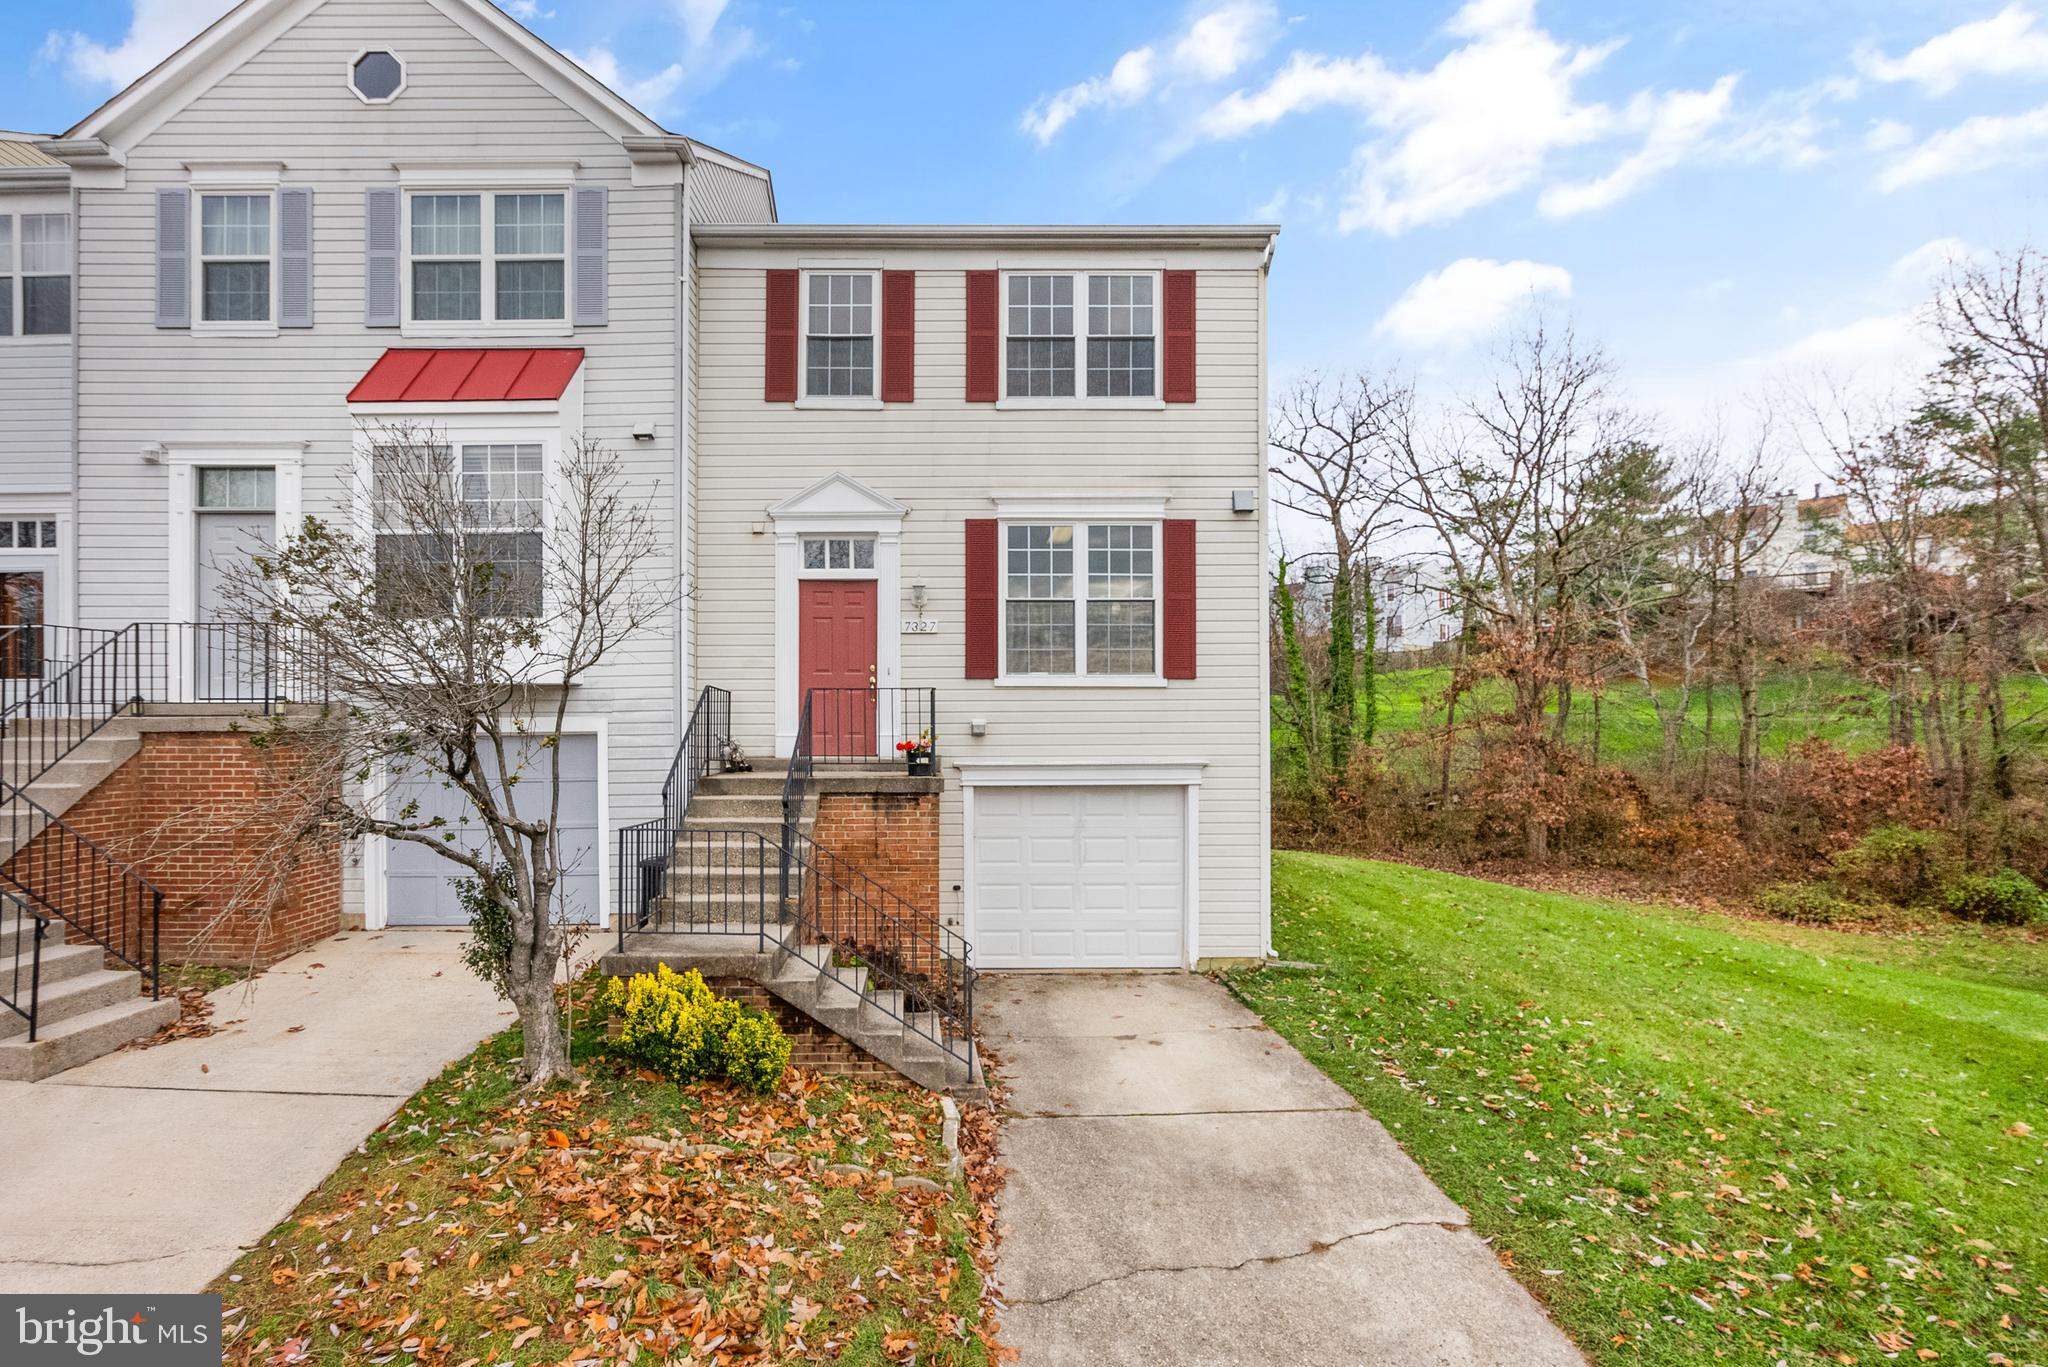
(918, 752)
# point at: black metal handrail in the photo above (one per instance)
(905, 949)
(864, 726)
(21, 937)
(61, 872)
(102, 674)
(647, 849)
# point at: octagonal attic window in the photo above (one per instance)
(376, 77)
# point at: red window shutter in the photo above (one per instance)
(899, 336)
(779, 362)
(982, 339)
(1177, 566)
(1178, 315)
(981, 598)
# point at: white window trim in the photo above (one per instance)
(1079, 678)
(348, 75)
(848, 571)
(376, 849)
(1080, 398)
(1107, 773)
(488, 244)
(804, 397)
(255, 186)
(14, 270)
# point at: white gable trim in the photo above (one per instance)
(254, 24)
(838, 495)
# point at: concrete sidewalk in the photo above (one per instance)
(1186, 1188)
(149, 1170)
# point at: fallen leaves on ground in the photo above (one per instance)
(628, 1220)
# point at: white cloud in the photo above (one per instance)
(1882, 344)
(526, 11)
(2006, 44)
(1886, 135)
(1468, 299)
(1213, 46)
(156, 29)
(709, 49)
(1483, 123)
(1930, 261)
(1676, 123)
(1975, 144)
(644, 92)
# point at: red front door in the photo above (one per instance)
(836, 655)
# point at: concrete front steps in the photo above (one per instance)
(85, 1009)
(841, 999)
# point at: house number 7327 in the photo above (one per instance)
(920, 626)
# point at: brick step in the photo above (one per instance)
(60, 1001)
(83, 1038)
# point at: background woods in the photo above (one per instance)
(1531, 626)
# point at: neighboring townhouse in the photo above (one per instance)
(994, 495)
(35, 377)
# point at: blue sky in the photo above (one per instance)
(1724, 192)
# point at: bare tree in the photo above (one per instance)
(1518, 498)
(1336, 459)
(453, 626)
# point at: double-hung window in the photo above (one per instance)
(234, 258)
(35, 275)
(1080, 600)
(497, 511)
(839, 335)
(1104, 347)
(517, 271)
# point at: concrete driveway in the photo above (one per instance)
(149, 1170)
(1186, 1188)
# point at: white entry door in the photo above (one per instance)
(419, 885)
(1092, 877)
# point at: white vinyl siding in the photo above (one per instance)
(141, 385)
(35, 370)
(948, 458)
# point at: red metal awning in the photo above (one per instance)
(444, 375)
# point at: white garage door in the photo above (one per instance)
(419, 886)
(1079, 877)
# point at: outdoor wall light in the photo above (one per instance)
(978, 727)
(644, 432)
(1244, 500)
(917, 596)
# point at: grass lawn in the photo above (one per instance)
(478, 1228)
(1839, 707)
(1696, 1138)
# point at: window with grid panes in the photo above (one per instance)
(1038, 617)
(1121, 342)
(1039, 336)
(234, 258)
(839, 335)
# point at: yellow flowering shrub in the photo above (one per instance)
(675, 1024)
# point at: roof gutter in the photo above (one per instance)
(878, 234)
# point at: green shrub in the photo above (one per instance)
(1807, 903)
(1897, 864)
(2005, 898)
(488, 950)
(675, 1024)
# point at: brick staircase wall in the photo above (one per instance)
(187, 812)
(893, 838)
(811, 1045)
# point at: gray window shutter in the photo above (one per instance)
(294, 258)
(593, 252)
(380, 258)
(174, 257)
